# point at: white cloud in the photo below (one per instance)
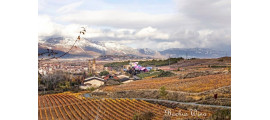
(115, 18)
(210, 13)
(46, 26)
(151, 33)
(200, 23)
(205, 33)
(49, 28)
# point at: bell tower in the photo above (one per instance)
(94, 65)
(90, 70)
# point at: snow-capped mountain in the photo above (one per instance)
(87, 46)
(194, 53)
(147, 51)
(90, 48)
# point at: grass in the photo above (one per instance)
(149, 74)
(155, 74)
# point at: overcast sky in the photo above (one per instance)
(155, 24)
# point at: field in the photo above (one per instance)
(197, 84)
(66, 106)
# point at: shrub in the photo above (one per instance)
(220, 60)
(166, 74)
(218, 66)
(166, 118)
(144, 116)
(222, 115)
(229, 68)
(91, 89)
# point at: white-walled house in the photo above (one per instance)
(92, 82)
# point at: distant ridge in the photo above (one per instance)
(90, 48)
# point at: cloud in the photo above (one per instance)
(49, 28)
(115, 18)
(200, 23)
(210, 13)
(151, 33)
(46, 26)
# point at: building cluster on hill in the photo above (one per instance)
(52, 67)
(72, 67)
(112, 78)
(134, 68)
(97, 74)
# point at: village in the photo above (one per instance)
(94, 73)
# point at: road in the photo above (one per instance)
(185, 103)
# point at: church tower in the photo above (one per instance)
(94, 65)
(90, 70)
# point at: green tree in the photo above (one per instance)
(162, 92)
(90, 74)
(104, 73)
(65, 85)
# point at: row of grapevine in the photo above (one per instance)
(69, 107)
(197, 84)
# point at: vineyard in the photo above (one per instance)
(197, 84)
(70, 107)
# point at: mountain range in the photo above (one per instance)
(90, 48)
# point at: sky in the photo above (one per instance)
(154, 24)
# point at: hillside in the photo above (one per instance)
(197, 84)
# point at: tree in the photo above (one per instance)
(56, 81)
(162, 92)
(73, 79)
(104, 73)
(90, 75)
(65, 85)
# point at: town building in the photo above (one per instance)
(92, 82)
(92, 67)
